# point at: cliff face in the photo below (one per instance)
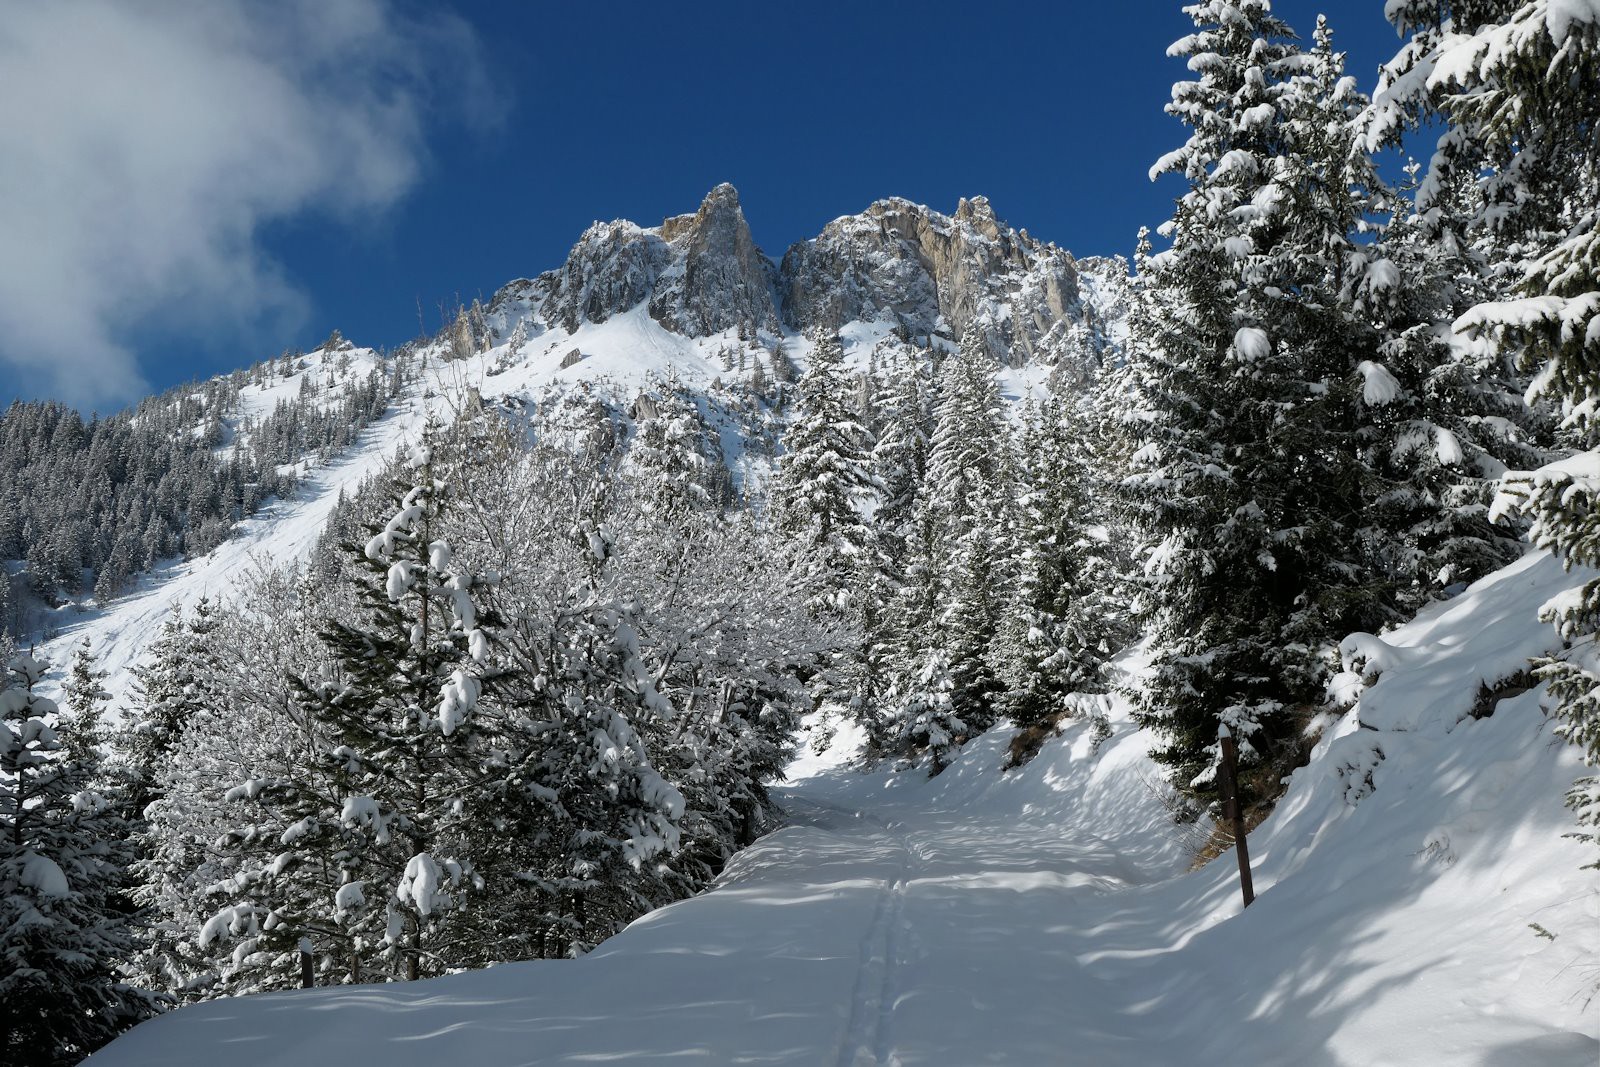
(701, 273)
(613, 267)
(718, 278)
(917, 266)
(966, 274)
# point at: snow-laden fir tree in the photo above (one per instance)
(213, 848)
(1514, 84)
(64, 854)
(85, 695)
(821, 495)
(174, 683)
(1246, 476)
(964, 524)
(673, 456)
(825, 479)
(900, 453)
(1444, 418)
(1061, 624)
(395, 716)
(725, 641)
(927, 716)
(588, 815)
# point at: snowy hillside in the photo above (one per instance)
(596, 329)
(1417, 905)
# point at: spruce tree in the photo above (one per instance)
(824, 480)
(966, 509)
(175, 683)
(823, 486)
(1246, 472)
(900, 455)
(928, 718)
(1059, 628)
(64, 855)
(674, 458)
(85, 696)
(1514, 83)
(1442, 419)
(376, 863)
(587, 812)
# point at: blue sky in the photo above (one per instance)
(503, 129)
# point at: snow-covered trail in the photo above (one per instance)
(972, 953)
(1417, 904)
(867, 931)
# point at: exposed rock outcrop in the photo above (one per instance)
(701, 273)
(905, 261)
(929, 273)
(718, 279)
(613, 267)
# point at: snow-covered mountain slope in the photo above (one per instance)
(692, 302)
(283, 531)
(1417, 904)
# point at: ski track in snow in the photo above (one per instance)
(867, 1039)
(1035, 918)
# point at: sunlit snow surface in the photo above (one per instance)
(1042, 916)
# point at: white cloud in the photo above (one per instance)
(145, 145)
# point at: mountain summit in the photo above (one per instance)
(924, 273)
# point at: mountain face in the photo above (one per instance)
(936, 273)
(701, 273)
(926, 273)
(718, 278)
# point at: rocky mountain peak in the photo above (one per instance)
(719, 210)
(930, 274)
(719, 278)
(967, 273)
(979, 215)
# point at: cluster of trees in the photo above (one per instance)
(1314, 451)
(518, 697)
(1299, 441)
(969, 554)
(90, 505)
(1514, 88)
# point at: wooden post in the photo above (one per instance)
(307, 978)
(1234, 811)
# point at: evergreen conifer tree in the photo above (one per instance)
(1247, 472)
(396, 715)
(824, 479)
(1514, 83)
(966, 512)
(1058, 630)
(64, 855)
(174, 684)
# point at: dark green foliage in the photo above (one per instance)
(64, 854)
(1246, 477)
